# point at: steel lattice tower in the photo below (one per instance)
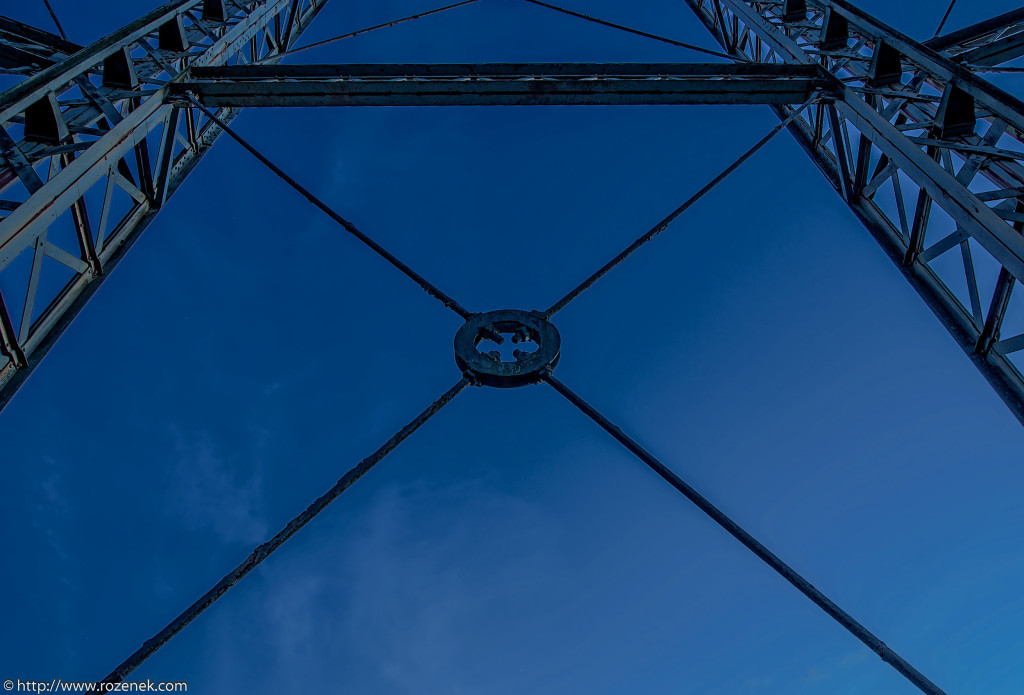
(875, 110)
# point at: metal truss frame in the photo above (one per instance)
(924, 152)
(907, 160)
(872, 108)
(985, 44)
(92, 148)
(25, 50)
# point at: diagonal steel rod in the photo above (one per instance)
(263, 551)
(736, 531)
(367, 30)
(949, 11)
(349, 227)
(663, 225)
(53, 16)
(680, 44)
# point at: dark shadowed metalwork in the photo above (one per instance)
(56, 22)
(25, 50)
(915, 121)
(100, 118)
(503, 84)
(874, 109)
(523, 327)
(985, 44)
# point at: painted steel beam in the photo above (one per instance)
(991, 42)
(503, 84)
(26, 50)
(901, 116)
(926, 154)
(99, 121)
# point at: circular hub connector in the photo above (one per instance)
(539, 341)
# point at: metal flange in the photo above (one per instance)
(526, 327)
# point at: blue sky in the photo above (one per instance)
(248, 352)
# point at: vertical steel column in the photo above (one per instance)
(90, 120)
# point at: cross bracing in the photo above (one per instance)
(917, 126)
(818, 92)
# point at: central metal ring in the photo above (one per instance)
(525, 327)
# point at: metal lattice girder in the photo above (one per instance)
(26, 50)
(923, 151)
(87, 123)
(992, 42)
(935, 169)
(503, 84)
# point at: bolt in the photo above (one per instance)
(522, 335)
(488, 333)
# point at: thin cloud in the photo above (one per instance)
(219, 492)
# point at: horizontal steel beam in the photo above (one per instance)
(503, 84)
